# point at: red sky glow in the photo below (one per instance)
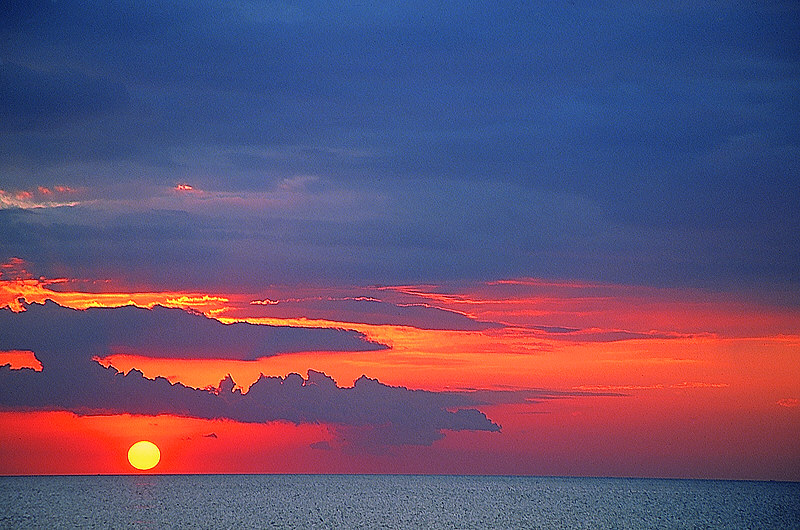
(680, 382)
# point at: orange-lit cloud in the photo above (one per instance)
(16, 359)
(13, 269)
(20, 286)
(39, 197)
(266, 301)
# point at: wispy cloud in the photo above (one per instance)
(623, 388)
(39, 197)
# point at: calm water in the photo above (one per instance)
(380, 501)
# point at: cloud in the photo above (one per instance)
(52, 332)
(540, 94)
(618, 143)
(14, 269)
(392, 415)
(369, 416)
(686, 385)
(65, 341)
(365, 310)
(426, 237)
(322, 445)
(601, 335)
(41, 197)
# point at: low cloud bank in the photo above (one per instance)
(66, 340)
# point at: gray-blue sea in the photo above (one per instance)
(392, 501)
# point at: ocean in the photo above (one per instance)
(392, 501)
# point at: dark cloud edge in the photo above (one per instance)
(49, 329)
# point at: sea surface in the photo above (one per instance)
(392, 501)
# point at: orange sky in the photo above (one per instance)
(704, 386)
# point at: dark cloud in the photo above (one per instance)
(55, 333)
(388, 415)
(321, 445)
(623, 142)
(547, 95)
(446, 237)
(65, 340)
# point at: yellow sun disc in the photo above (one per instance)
(144, 455)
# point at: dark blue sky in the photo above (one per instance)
(387, 143)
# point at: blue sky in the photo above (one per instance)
(394, 142)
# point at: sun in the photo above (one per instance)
(144, 455)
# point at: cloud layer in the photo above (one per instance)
(66, 340)
(52, 331)
(410, 142)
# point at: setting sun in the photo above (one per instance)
(144, 455)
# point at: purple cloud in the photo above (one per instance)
(383, 415)
(51, 330)
(370, 416)
(65, 341)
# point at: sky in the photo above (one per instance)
(417, 237)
